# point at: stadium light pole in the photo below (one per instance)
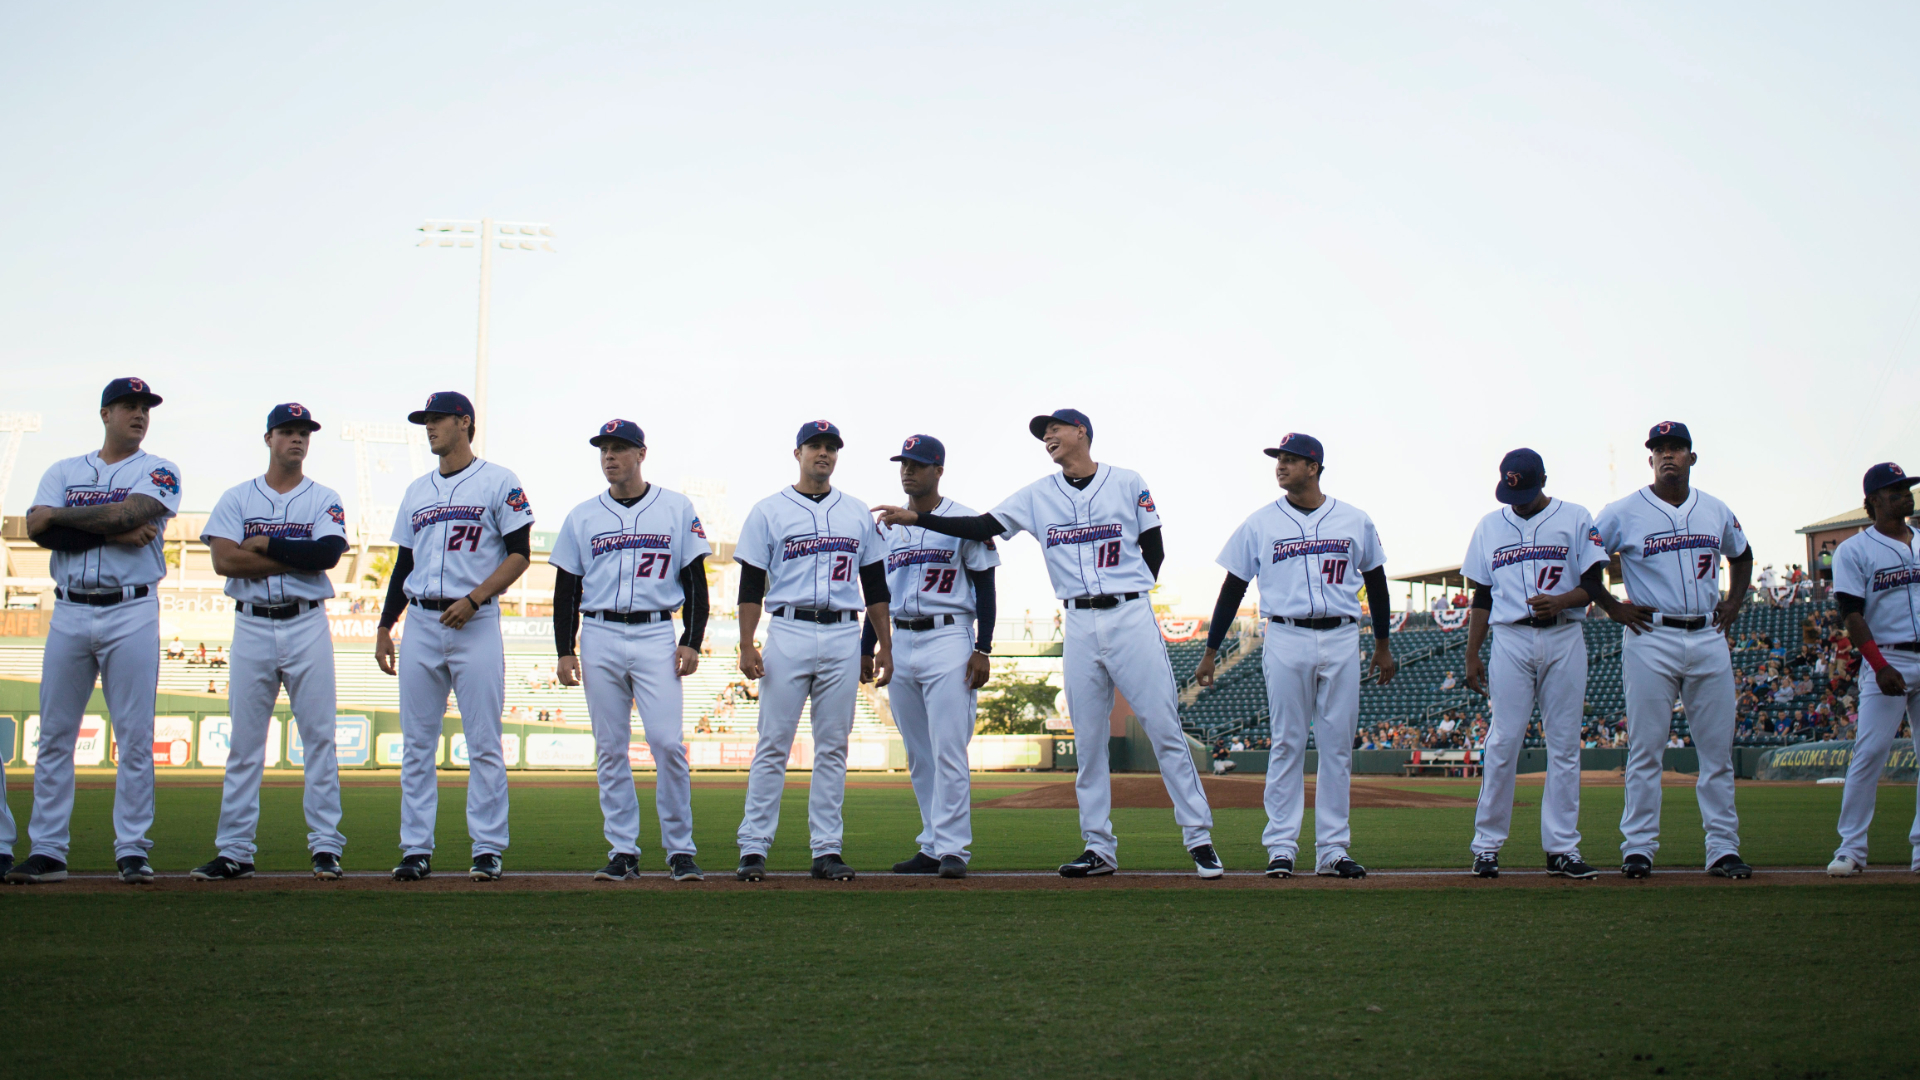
(485, 233)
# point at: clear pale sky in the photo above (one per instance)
(1426, 234)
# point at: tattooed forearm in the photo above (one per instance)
(111, 519)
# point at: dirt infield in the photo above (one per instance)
(1138, 792)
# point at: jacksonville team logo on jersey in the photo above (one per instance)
(1657, 545)
(338, 515)
(609, 542)
(517, 500)
(917, 557)
(78, 497)
(164, 479)
(1529, 553)
(1895, 579)
(699, 530)
(434, 515)
(278, 530)
(801, 547)
(1594, 535)
(1080, 534)
(1293, 549)
(1146, 501)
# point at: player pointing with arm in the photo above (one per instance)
(625, 560)
(811, 559)
(464, 532)
(102, 515)
(1101, 535)
(1876, 584)
(1310, 555)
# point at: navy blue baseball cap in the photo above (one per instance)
(446, 402)
(126, 388)
(291, 413)
(1038, 425)
(924, 449)
(1522, 475)
(1886, 475)
(624, 430)
(1299, 445)
(1669, 431)
(814, 430)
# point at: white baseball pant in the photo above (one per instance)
(804, 660)
(625, 665)
(120, 645)
(934, 710)
(1549, 667)
(267, 653)
(1119, 648)
(1313, 677)
(1696, 667)
(472, 663)
(1880, 718)
(8, 832)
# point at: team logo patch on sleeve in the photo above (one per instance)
(337, 514)
(699, 530)
(1594, 535)
(165, 480)
(517, 500)
(1146, 501)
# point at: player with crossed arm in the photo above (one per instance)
(1310, 555)
(626, 559)
(1534, 566)
(1670, 538)
(465, 534)
(274, 538)
(103, 515)
(939, 586)
(1100, 532)
(1876, 584)
(808, 554)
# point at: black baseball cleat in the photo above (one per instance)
(829, 867)
(38, 870)
(134, 869)
(1206, 862)
(1090, 864)
(414, 868)
(619, 868)
(752, 868)
(1342, 867)
(1637, 866)
(222, 869)
(6, 865)
(1570, 866)
(1280, 866)
(486, 867)
(921, 863)
(326, 866)
(681, 867)
(953, 866)
(1486, 864)
(1730, 866)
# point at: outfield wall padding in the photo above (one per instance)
(1825, 760)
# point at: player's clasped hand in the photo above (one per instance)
(568, 671)
(1892, 684)
(1384, 665)
(140, 536)
(978, 671)
(751, 665)
(685, 661)
(878, 668)
(459, 612)
(1476, 677)
(383, 651)
(1638, 618)
(1204, 673)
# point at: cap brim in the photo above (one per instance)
(598, 439)
(1905, 481)
(915, 460)
(418, 416)
(1688, 443)
(1517, 496)
(308, 424)
(1038, 425)
(148, 399)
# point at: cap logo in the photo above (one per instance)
(430, 398)
(912, 441)
(822, 425)
(296, 410)
(1896, 469)
(612, 426)
(1665, 427)
(1513, 479)
(137, 385)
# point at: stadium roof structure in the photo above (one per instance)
(1856, 518)
(1446, 576)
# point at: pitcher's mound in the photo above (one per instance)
(1149, 793)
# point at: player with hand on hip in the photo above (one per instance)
(465, 534)
(104, 516)
(1534, 567)
(811, 559)
(274, 538)
(1670, 538)
(1310, 555)
(625, 560)
(1100, 533)
(1876, 586)
(940, 586)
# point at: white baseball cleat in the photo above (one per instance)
(1841, 866)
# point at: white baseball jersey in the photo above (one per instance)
(812, 552)
(629, 558)
(457, 527)
(927, 572)
(1886, 573)
(1671, 554)
(88, 481)
(1091, 538)
(308, 512)
(1522, 557)
(1308, 565)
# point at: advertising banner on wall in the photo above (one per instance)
(89, 750)
(9, 739)
(1823, 760)
(387, 749)
(457, 750)
(352, 742)
(559, 750)
(216, 740)
(172, 741)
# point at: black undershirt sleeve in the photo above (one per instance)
(68, 539)
(693, 617)
(986, 608)
(567, 590)
(873, 584)
(1378, 604)
(396, 588)
(520, 542)
(1594, 581)
(1232, 591)
(753, 583)
(1153, 550)
(308, 555)
(1483, 598)
(983, 527)
(1845, 604)
(869, 639)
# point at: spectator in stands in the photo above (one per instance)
(1448, 682)
(219, 656)
(1056, 626)
(210, 687)
(1222, 763)
(176, 650)
(1027, 627)
(203, 655)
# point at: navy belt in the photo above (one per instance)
(825, 618)
(631, 618)
(100, 597)
(1100, 602)
(278, 611)
(1333, 622)
(1540, 623)
(1903, 646)
(435, 603)
(1697, 622)
(926, 623)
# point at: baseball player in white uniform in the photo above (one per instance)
(104, 516)
(1310, 555)
(1876, 584)
(1534, 566)
(1670, 538)
(811, 559)
(1101, 535)
(275, 537)
(465, 535)
(940, 587)
(625, 561)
